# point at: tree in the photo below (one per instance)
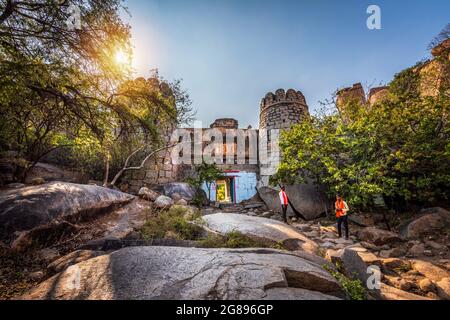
(397, 148)
(206, 173)
(60, 88)
(56, 81)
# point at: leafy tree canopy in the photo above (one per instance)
(62, 88)
(398, 148)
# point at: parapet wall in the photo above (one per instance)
(282, 109)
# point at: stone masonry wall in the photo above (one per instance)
(282, 109)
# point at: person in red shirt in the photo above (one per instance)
(341, 208)
(284, 202)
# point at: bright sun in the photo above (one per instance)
(121, 57)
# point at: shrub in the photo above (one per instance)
(178, 221)
(353, 288)
(234, 239)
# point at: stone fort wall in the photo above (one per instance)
(277, 111)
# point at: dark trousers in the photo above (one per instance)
(284, 207)
(341, 220)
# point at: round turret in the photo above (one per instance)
(282, 109)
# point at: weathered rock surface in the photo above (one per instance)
(184, 190)
(426, 285)
(148, 194)
(391, 293)
(391, 264)
(443, 288)
(355, 261)
(181, 202)
(261, 229)
(434, 219)
(176, 196)
(305, 198)
(189, 273)
(416, 250)
(429, 270)
(378, 236)
(15, 185)
(35, 206)
(71, 259)
(163, 202)
(49, 172)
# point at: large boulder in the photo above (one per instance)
(387, 292)
(71, 259)
(164, 202)
(429, 270)
(49, 172)
(174, 273)
(306, 198)
(378, 236)
(356, 260)
(148, 194)
(432, 220)
(33, 207)
(184, 190)
(260, 229)
(443, 288)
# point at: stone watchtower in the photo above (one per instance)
(278, 111)
(282, 109)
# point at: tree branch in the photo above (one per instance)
(125, 168)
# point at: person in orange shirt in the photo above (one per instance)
(284, 202)
(341, 208)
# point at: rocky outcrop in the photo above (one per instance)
(33, 207)
(184, 190)
(71, 259)
(261, 229)
(391, 293)
(442, 48)
(378, 236)
(148, 194)
(49, 172)
(356, 260)
(164, 202)
(432, 220)
(429, 270)
(189, 273)
(305, 198)
(443, 288)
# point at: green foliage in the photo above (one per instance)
(233, 239)
(398, 148)
(178, 222)
(353, 288)
(406, 83)
(61, 90)
(185, 223)
(205, 173)
(199, 198)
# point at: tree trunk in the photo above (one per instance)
(106, 174)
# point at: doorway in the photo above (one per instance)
(225, 192)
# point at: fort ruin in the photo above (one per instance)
(250, 156)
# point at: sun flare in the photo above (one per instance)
(121, 57)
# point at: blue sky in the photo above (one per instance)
(231, 53)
